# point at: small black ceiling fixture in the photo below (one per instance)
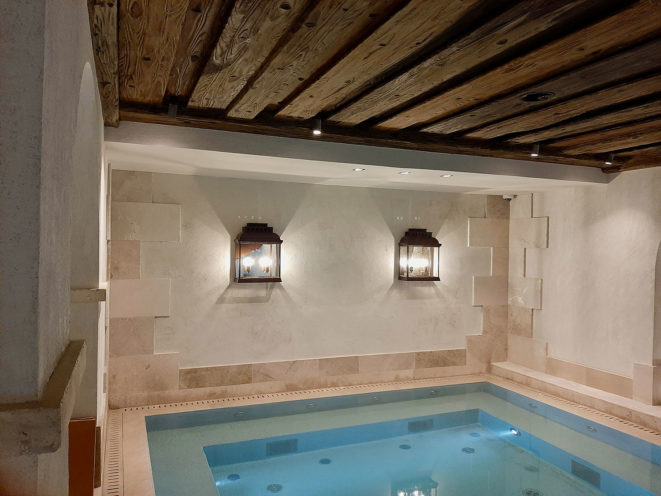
(537, 96)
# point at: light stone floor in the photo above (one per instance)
(130, 474)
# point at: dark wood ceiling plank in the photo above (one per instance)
(252, 31)
(103, 27)
(330, 27)
(515, 27)
(632, 25)
(410, 140)
(199, 27)
(148, 40)
(403, 35)
(569, 109)
(617, 138)
(601, 121)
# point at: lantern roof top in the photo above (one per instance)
(258, 232)
(419, 237)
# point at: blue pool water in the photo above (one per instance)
(474, 439)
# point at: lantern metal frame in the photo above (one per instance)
(253, 234)
(423, 239)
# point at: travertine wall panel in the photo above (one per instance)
(145, 221)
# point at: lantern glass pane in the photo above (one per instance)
(436, 262)
(258, 260)
(403, 261)
(421, 261)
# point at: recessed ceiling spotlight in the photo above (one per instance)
(535, 150)
(446, 175)
(358, 169)
(610, 159)
(317, 128)
(404, 173)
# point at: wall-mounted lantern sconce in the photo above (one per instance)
(257, 254)
(421, 487)
(418, 256)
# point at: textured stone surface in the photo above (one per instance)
(124, 259)
(379, 363)
(519, 321)
(338, 366)
(599, 379)
(139, 373)
(139, 298)
(131, 336)
(525, 292)
(528, 352)
(488, 232)
(131, 186)
(227, 375)
(145, 221)
(439, 358)
(529, 233)
(489, 290)
(497, 208)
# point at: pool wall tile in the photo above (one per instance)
(227, 375)
(338, 366)
(441, 358)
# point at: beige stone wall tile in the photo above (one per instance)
(490, 291)
(525, 292)
(338, 366)
(529, 233)
(643, 382)
(497, 208)
(528, 352)
(517, 261)
(131, 336)
(566, 370)
(226, 375)
(488, 232)
(606, 381)
(499, 262)
(124, 259)
(494, 319)
(439, 358)
(482, 350)
(139, 298)
(131, 186)
(145, 221)
(141, 373)
(288, 371)
(521, 207)
(519, 321)
(386, 362)
(367, 378)
(432, 372)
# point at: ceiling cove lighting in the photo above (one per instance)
(535, 150)
(257, 254)
(317, 127)
(418, 256)
(358, 169)
(446, 176)
(404, 173)
(610, 159)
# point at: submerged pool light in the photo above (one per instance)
(515, 431)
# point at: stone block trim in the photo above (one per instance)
(145, 221)
(140, 298)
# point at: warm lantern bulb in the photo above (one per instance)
(419, 263)
(248, 262)
(265, 263)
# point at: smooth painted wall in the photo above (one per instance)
(598, 293)
(339, 295)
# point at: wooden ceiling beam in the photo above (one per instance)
(201, 28)
(568, 109)
(103, 27)
(418, 24)
(637, 159)
(610, 140)
(602, 121)
(515, 29)
(331, 27)
(411, 140)
(252, 32)
(627, 27)
(148, 39)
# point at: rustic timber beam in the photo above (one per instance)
(103, 27)
(410, 140)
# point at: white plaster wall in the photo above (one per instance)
(598, 271)
(340, 295)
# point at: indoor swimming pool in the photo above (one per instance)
(470, 439)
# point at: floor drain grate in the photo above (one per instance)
(531, 492)
(405, 446)
(274, 488)
(325, 461)
(468, 450)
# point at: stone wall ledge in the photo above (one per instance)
(36, 427)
